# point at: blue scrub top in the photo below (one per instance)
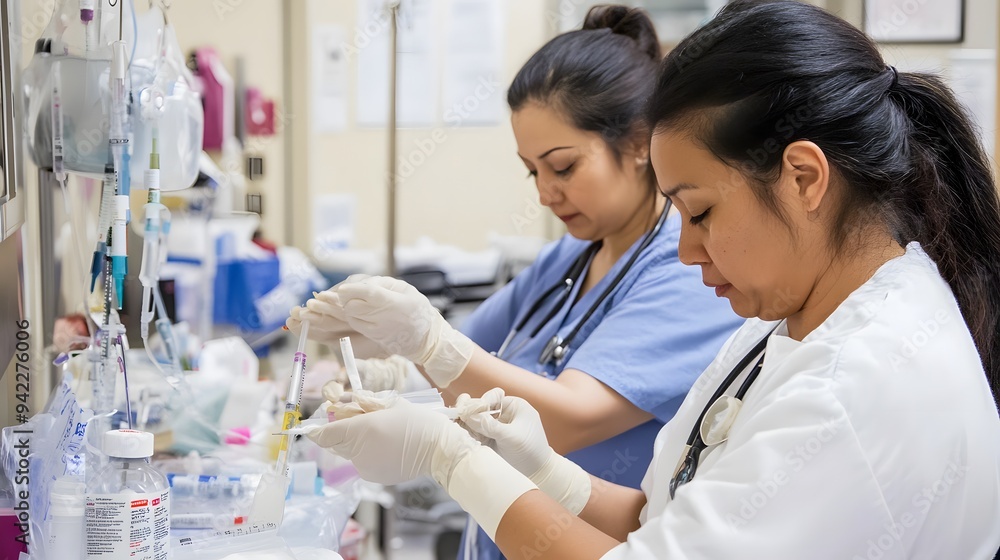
(649, 340)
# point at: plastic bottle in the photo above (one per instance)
(127, 514)
(66, 518)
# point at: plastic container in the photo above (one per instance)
(127, 505)
(66, 519)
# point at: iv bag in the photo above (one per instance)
(164, 100)
(160, 95)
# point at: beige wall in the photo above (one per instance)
(251, 29)
(980, 31)
(471, 185)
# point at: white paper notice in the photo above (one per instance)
(914, 20)
(473, 91)
(329, 79)
(973, 77)
(417, 72)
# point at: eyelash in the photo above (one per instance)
(566, 171)
(695, 220)
(559, 172)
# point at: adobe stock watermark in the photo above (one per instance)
(912, 343)
(545, 538)
(564, 10)
(379, 21)
(898, 18)
(424, 148)
(33, 25)
(795, 460)
(223, 8)
(894, 531)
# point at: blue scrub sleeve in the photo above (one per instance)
(658, 337)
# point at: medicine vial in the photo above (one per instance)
(66, 519)
(127, 503)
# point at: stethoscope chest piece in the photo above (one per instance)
(554, 351)
(719, 419)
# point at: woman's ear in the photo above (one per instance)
(805, 172)
(636, 146)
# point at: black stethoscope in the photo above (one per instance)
(557, 347)
(722, 410)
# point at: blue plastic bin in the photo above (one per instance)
(238, 284)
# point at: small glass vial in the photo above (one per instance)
(127, 511)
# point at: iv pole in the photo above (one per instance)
(391, 233)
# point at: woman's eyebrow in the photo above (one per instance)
(678, 188)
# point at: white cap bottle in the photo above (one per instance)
(127, 512)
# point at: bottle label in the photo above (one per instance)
(130, 525)
(161, 526)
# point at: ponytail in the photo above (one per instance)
(909, 156)
(953, 210)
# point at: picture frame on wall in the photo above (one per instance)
(915, 21)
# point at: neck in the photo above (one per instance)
(643, 220)
(845, 273)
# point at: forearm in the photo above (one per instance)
(535, 526)
(613, 509)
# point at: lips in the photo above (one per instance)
(720, 289)
(568, 217)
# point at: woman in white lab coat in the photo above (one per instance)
(849, 210)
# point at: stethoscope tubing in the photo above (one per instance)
(567, 283)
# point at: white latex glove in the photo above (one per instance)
(398, 318)
(518, 436)
(322, 328)
(388, 374)
(406, 441)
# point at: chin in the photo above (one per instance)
(583, 234)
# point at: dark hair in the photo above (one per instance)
(600, 77)
(762, 75)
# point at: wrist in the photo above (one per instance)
(485, 486)
(448, 357)
(564, 481)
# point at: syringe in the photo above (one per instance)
(149, 268)
(118, 143)
(106, 214)
(293, 412)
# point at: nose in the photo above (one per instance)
(691, 247)
(549, 192)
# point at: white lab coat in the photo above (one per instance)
(874, 438)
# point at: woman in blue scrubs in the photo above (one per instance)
(637, 327)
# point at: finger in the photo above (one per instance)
(332, 391)
(354, 278)
(294, 324)
(485, 424)
(493, 398)
(363, 292)
(511, 408)
(335, 436)
(368, 367)
(462, 401)
(329, 296)
(321, 307)
(372, 402)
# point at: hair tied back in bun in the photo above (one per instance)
(630, 22)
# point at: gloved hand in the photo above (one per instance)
(322, 328)
(518, 436)
(381, 374)
(398, 318)
(406, 441)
